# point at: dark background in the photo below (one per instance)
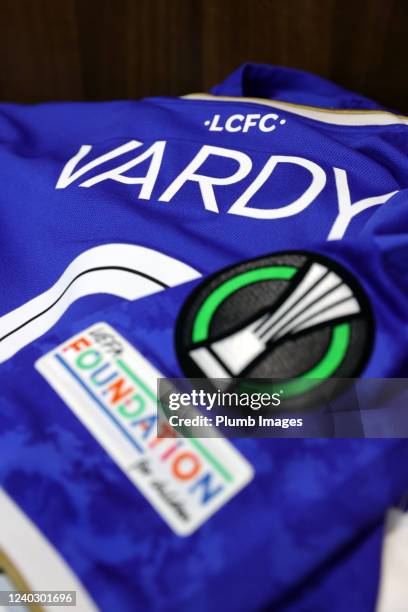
(103, 49)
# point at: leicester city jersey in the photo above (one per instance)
(257, 231)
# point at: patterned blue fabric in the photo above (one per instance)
(298, 535)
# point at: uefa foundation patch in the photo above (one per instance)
(111, 388)
(297, 318)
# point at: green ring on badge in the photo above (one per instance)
(324, 369)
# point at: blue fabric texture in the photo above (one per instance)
(305, 534)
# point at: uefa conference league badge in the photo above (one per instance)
(297, 321)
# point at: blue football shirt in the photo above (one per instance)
(112, 216)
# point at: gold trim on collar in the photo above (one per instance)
(18, 579)
(344, 117)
